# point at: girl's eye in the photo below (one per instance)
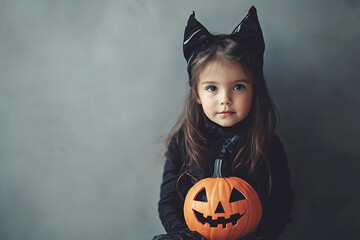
(239, 87)
(211, 88)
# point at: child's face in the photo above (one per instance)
(225, 92)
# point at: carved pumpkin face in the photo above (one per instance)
(222, 208)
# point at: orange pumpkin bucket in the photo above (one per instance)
(222, 207)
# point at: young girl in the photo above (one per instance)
(228, 102)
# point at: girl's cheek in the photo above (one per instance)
(213, 104)
(246, 103)
(209, 105)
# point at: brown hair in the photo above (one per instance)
(262, 119)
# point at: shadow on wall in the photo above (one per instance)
(321, 140)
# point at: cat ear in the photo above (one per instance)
(249, 31)
(195, 36)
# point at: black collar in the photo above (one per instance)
(223, 140)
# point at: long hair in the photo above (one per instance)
(262, 119)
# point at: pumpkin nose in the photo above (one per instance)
(219, 208)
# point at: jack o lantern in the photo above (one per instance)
(222, 208)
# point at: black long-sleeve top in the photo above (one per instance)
(276, 206)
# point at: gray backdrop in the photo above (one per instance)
(88, 90)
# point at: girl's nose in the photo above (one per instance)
(226, 100)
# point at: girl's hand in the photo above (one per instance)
(181, 235)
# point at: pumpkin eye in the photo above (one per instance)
(236, 195)
(201, 196)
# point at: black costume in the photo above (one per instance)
(276, 207)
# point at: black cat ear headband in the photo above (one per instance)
(248, 34)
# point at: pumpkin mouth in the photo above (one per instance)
(220, 220)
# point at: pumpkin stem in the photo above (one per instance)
(217, 169)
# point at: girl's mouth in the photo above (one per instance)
(226, 113)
